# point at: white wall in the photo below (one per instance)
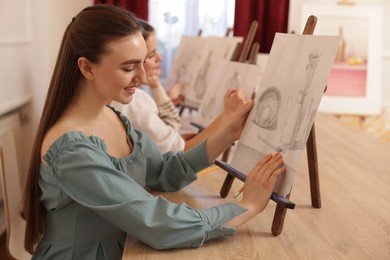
(295, 25)
(29, 65)
(49, 19)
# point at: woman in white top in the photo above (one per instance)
(158, 118)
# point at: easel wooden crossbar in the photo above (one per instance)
(283, 203)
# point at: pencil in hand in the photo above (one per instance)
(239, 192)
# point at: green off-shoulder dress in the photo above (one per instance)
(93, 200)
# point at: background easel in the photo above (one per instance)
(244, 53)
(283, 203)
(238, 55)
(242, 56)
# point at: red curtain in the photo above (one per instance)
(272, 16)
(138, 7)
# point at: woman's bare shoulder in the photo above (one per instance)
(61, 127)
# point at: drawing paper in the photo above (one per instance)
(186, 57)
(286, 103)
(226, 75)
(214, 49)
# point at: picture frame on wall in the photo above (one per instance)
(355, 83)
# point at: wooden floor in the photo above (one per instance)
(353, 223)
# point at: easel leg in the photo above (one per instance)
(311, 149)
(229, 178)
(277, 223)
(227, 184)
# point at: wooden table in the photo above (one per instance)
(353, 223)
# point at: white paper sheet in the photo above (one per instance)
(286, 103)
(213, 50)
(226, 74)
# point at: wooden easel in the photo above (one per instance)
(237, 55)
(242, 56)
(182, 104)
(283, 203)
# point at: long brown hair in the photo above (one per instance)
(147, 29)
(86, 36)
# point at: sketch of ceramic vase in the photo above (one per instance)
(311, 67)
(200, 81)
(304, 127)
(180, 75)
(291, 125)
(232, 82)
(266, 112)
(296, 112)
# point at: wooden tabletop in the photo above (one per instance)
(353, 223)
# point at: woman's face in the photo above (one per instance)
(153, 59)
(121, 70)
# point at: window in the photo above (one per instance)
(172, 19)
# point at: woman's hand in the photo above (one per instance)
(224, 131)
(260, 183)
(234, 123)
(175, 91)
(153, 80)
(258, 188)
(232, 101)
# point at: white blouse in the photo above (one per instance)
(143, 114)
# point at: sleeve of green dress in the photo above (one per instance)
(170, 171)
(84, 173)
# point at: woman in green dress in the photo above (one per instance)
(86, 185)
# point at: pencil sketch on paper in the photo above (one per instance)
(226, 75)
(267, 110)
(286, 103)
(186, 57)
(200, 79)
(214, 49)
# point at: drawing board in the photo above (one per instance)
(214, 49)
(286, 102)
(186, 57)
(226, 75)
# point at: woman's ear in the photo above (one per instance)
(85, 67)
